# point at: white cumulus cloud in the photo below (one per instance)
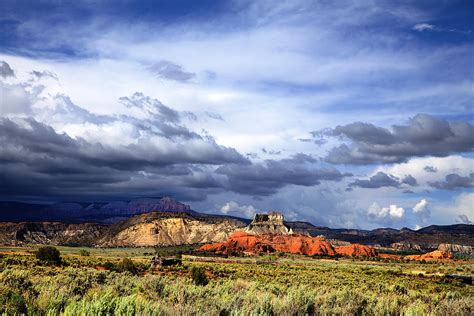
(421, 207)
(392, 211)
(422, 210)
(232, 208)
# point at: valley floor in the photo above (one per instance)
(99, 283)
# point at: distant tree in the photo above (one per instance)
(49, 255)
(199, 276)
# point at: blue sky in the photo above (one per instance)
(319, 109)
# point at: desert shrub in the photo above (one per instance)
(84, 253)
(291, 287)
(199, 276)
(109, 266)
(416, 308)
(122, 284)
(400, 289)
(127, 265)
(11, 302)
(49, 255)
(265, 306)
(16, 279)
(153, 287)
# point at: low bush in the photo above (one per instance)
(127, 265)
(199, 276)
(48, 255)
(291, 286)
(84, 253)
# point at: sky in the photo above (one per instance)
(355, 114)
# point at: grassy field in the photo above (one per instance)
(267, 285)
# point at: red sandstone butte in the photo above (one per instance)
(241, 242)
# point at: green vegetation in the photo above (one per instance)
(48, 255)
(84, 253)
(116, 282)
(198, 275)
(126, 265)
(171, 251)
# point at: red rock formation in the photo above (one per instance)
(356, 250)
(431, 256)
(389, 256)
(241, 242)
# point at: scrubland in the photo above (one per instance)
(268, 285)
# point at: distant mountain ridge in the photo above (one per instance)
(101, 212)
(427, 238)
(168, 222)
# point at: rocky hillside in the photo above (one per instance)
(425, 239)
(166, 229)
(151, 229)
(455, 248)
(164, 221)
(16, 234)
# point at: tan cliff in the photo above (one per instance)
(159, 229)
(271, 223)
(461, 249)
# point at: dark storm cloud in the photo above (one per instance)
(37, 137)
(6, 70)
(36, 161)
(364, 132)
(168, 70)
(424, 135)
(379, 180)
(410, 180)
(267, 177)
(454, 181)
(165, 158)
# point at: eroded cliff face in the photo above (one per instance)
(461, 249)
(271, 223)
(170, 232)
(150, 229)
(50, 233)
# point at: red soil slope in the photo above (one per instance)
(356, 250)
(241, 242)
(434, 255)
